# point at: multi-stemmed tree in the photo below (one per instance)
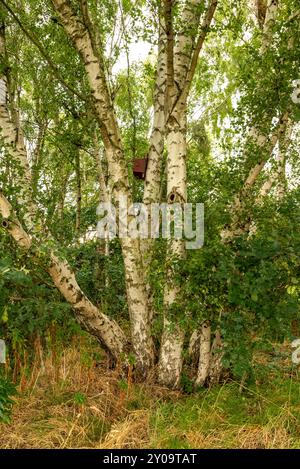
(70, 39)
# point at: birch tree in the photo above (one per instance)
(70, 40)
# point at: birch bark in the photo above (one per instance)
(90, 317)
(204, 354)
(137, 296)
(170, 362)
(182, 65)
(107, 331)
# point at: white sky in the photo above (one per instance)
(138, 52)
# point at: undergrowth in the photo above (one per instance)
(71, 402)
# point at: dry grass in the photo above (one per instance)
(246, 437)
(133, 432)
(74, 404)
(77, 405)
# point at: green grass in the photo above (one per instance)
(223, 411)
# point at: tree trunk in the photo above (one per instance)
(78, 190)
(181, 66)
(204, 354)
(106, 330)
(93, 61)
(170, 362)
(94, 321)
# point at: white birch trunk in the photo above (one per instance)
(152, 187)
(184, 61)
(104, 112)
(170, 362)
(237, 225)
(11, 137)
(155, 154)
(277, 174)
(105, 191)
(204, 354)
(271, 12)
(94, 321)
(107, 331)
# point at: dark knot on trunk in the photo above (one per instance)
(5, 223)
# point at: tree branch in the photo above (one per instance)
(168, 19)
(199, 45)
(43, 52)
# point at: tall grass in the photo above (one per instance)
(69, 398)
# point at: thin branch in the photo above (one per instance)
(130, 98)
(43, 52)
(199, 45)
(168, 4)
(277, 174)
(182, 96)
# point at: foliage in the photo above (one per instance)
(7, 391)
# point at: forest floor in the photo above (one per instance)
(75, 404)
